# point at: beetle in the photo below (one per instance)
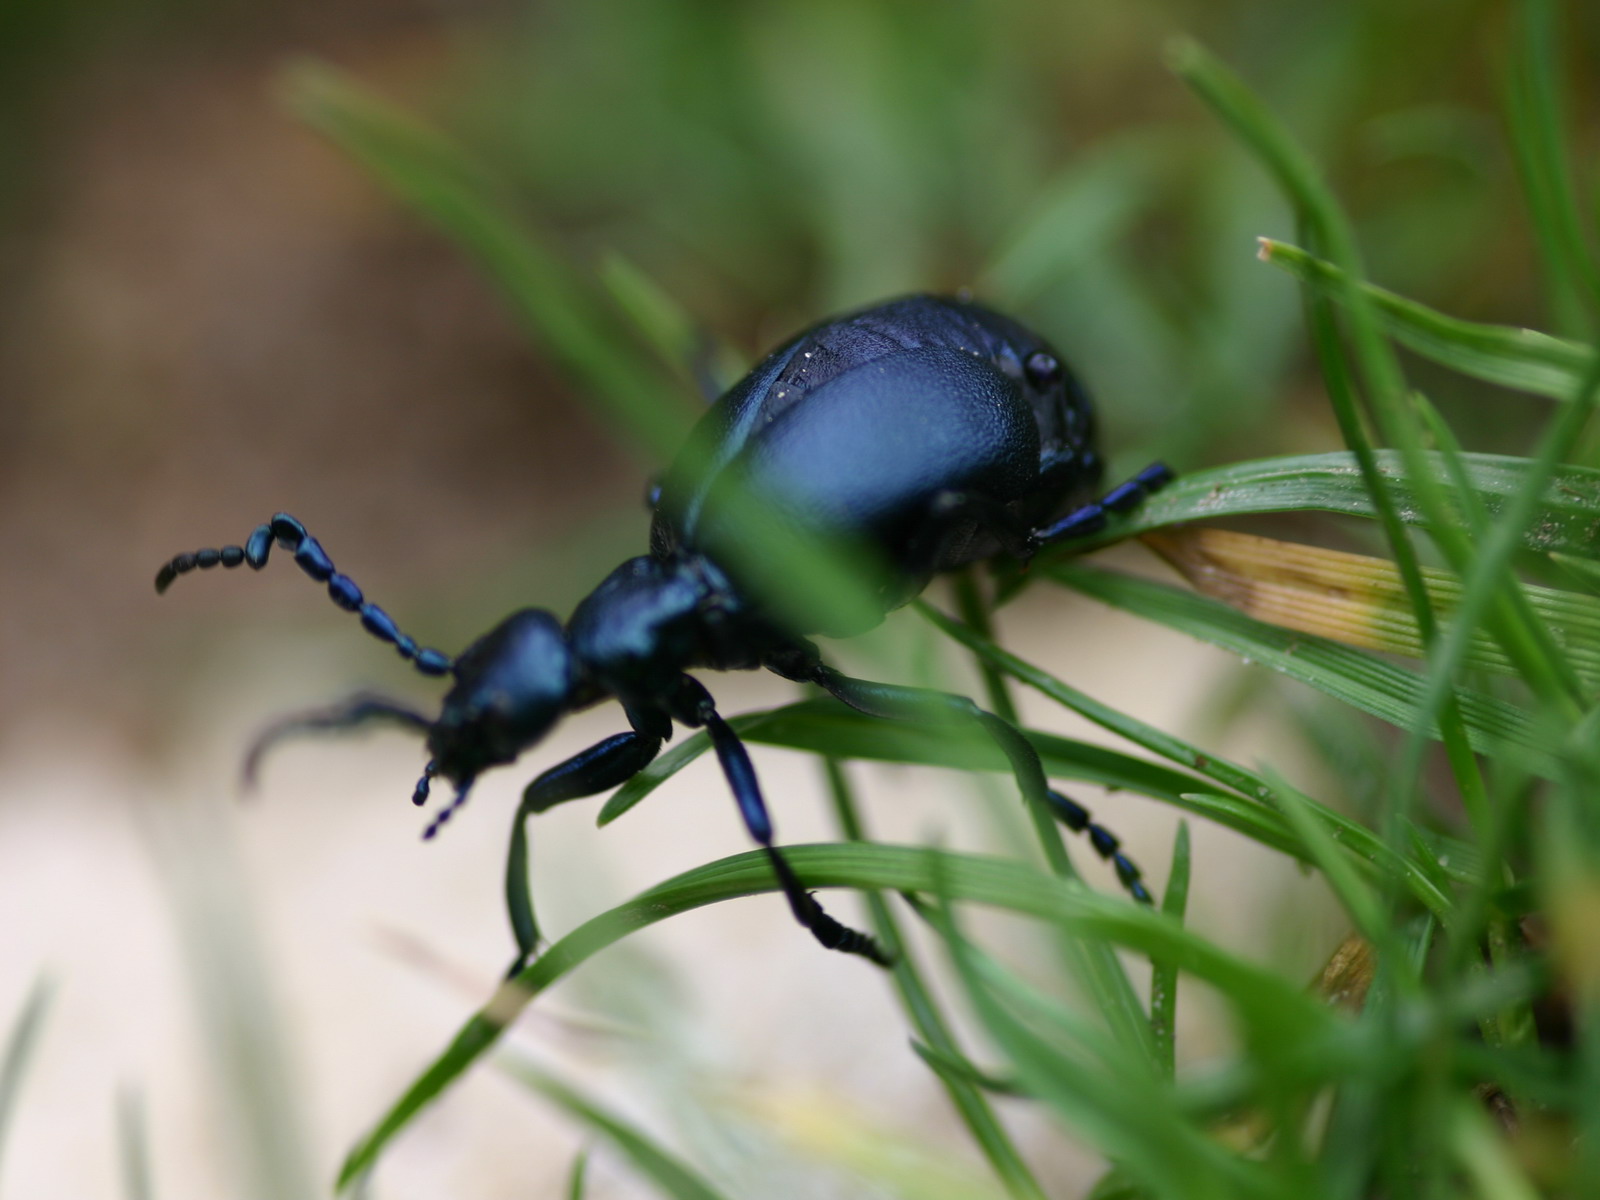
(929, 431)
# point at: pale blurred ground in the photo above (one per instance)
(124, 878)
(212, 317)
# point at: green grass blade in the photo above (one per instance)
(1538, 134)
(21, 1043)
(828, 727)
(578, 1179)
(1112, 1102)
(918, 1000)
(1085, 208)
(1164, 975)
(1265, 1002)
(1523, 359)
(430, 174)
(1565, 519)
(133, 1146)
(1355, 838)
(811, 584)
(669, 1173)
(1361, 680)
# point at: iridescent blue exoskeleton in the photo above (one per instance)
(932, 431)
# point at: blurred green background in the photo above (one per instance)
(211, 314)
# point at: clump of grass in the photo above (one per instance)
(1441, 1073)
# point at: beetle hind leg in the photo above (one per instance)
(898, 703)
(1092, 517)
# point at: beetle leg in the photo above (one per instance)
(694, 707)
(1091, 518)
(351, 713)
(603, 766)
(897, 703)
(952, 507)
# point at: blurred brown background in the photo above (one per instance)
(210, 314)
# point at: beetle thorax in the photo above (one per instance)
(648, 621)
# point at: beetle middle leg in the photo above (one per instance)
(899, 703)
(693, 706)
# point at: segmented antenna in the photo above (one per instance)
(289, 533)
(449, 810)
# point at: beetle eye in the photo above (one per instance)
(1043, 369)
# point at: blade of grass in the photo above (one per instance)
(133, 1146)
(21, 1044)
(1566, 515)
(578, 1179)
(1115, 1106)
(669, 1173)
(1371, 684)
(829, 728)
(1260, 997)
(1101, 970)
(1538, 132)
(1358, 840)
(1523, 359)
(815, 585)
(917, 999)
(1163, 975)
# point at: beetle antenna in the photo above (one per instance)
(285, 531)
(360, 709)
(448, 811)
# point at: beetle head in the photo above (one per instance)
(511, 686)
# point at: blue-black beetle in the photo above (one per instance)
(932, 431)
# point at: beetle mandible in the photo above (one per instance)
(932, 431)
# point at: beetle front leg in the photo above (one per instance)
(898, 703)
(601, 767)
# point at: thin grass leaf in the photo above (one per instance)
(1370, 684)
(578, 1179)
(1263, 1001)
(1163, 975)
(811, 584)
(1087, 207)
(949, 1067)
(1131, 1121)
(1485, 1158)
(21, 1043)
(1357, 600)
(658, 318)
(429, 173)
(133, 1146)
(1357, 839)
(1523, 359)
(921, 1007)
(1533, 99)
(1566, 518)
(827, 727)
(1359, 901)
(669, 1173)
